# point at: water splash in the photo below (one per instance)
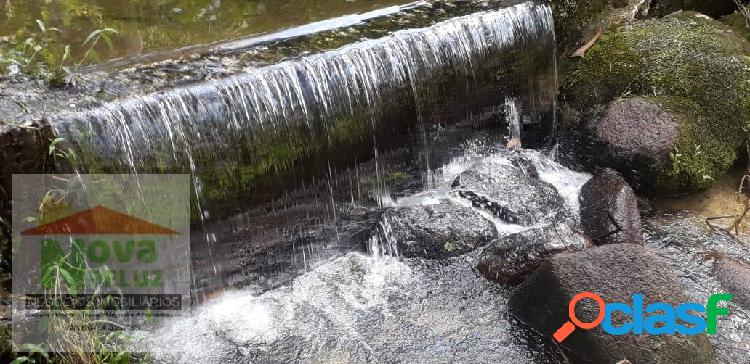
(383, 242)
(513, 117)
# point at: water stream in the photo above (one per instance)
(276, 153)
(293, 166)
(373, 306)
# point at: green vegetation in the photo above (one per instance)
(42, 54)
(695, 66)
(61, 275)
(73, 346)
(574, 17)
(148, 26)
(700, 155)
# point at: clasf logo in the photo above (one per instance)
(655, 319)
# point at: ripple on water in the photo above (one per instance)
(691, 249)
(357, 309)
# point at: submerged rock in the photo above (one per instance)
(438, 231)
(697, 68)
(510, 259)
(609, 210)
(510, 193)
(615, 272)
(734, 276)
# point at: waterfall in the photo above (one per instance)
(513, 118)
(328, 96)
(256, 137)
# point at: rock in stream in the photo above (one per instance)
(615, 272)
(609, 210)
(438, 231)
(511, 193)
(510, 259)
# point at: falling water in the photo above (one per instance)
(312, 102)
(513, 117)
(274, 151)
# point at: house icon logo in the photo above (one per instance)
(98, 256)
(99, 221)
(101, 247)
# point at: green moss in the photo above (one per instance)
(278, 153)
(573, 17)
(697, 67)
(577, 19)
(397, 177)
(700, 155)
(738, 23)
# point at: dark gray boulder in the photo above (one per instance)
(735, 278)
(511, 193)
(609, 210)
(615, 272)
(510, 259)
(438, 231)
(636, 136)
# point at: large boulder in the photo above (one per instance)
(609, 210)
(437, 231)
(734, 276)
(511, 193)
(694, 71)
(510, 259)
(616, 273)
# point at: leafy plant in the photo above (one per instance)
(66, 155)
(43, 55)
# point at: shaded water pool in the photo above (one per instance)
(147, 25)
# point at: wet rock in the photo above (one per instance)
(525, 165)
(615, 272)
(714, 8)
(620, 132)
(734, 276)
(701, 88)
(609, 210)
(689, 247)
(24, 149)
(438, 231)
(511, 194)
(510, 259)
